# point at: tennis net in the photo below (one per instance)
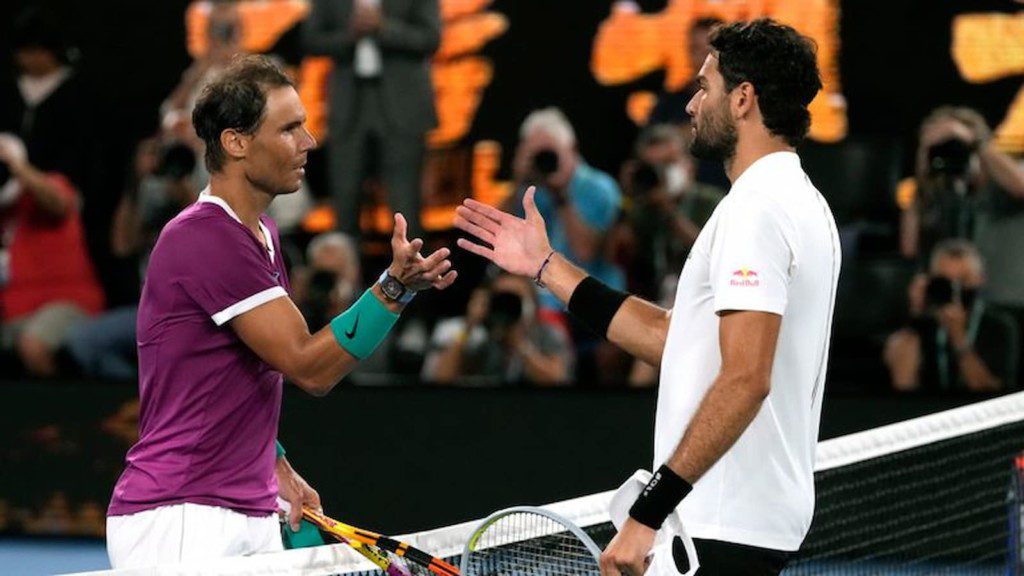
(939, 494)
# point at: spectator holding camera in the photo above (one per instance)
(223, 42)
(330, 281)
(579, 203)
(667, 210)
(47, 281)
(955, 339)
(961, 179)
(162, 183)
(499, 340)
(965, 187)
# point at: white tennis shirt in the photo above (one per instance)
(772, 246)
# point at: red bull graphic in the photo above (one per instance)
(745, 277)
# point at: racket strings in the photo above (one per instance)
(527, 544)
(402, 567)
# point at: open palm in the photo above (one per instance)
(412, 269)
(518, 245)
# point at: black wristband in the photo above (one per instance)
(594, 304)
(659, 498)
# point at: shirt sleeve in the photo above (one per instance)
(224, 272)
(752, 259)
(67, 192)
(446, 332)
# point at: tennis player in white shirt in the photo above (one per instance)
(743, 352)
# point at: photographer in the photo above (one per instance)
(954, 340)
(161, 184)
(330, 281)
(666, 209)
(223, 37)
(961, 180)
(499, 341)
(47, 281)
(579, 203)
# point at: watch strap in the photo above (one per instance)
(406, 297)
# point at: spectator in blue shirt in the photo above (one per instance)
(579, 203)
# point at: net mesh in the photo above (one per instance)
(934, 495)
(529, 544)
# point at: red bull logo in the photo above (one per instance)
(744, 277)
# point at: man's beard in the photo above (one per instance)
(273, 187)
(714, 139)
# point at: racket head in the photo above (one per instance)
(529, 541)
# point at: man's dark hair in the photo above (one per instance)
(236, 100)
(780, 63)
(38, 28)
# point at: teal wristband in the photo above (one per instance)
(280, 449)
(361, 328)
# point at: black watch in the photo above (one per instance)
(394, 290)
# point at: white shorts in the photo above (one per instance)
(183, 532)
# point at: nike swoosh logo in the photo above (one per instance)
(350, 334)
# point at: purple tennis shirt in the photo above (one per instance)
(209, 405)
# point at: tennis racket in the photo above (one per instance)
(529, 541)
(401, 558)
(378, 557)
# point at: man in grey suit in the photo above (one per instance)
(382, 98)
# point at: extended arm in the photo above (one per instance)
(747, 340)
(1007, 174)
(46, 191)
(277, 332)
(520, 246)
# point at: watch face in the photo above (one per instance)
(392, 288)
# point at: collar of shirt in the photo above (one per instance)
(35, 90)
(769, 162)
(207, 197)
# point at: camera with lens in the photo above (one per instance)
(950, 158)
(176, 161)
(317, 305)
(646, 177)
(545, 162)
(940, 292)
(506, 310)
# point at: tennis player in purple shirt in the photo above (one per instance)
(217, 333)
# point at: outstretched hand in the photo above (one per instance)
(413, 270)
(517, 245)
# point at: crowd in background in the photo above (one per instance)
(960, 232)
